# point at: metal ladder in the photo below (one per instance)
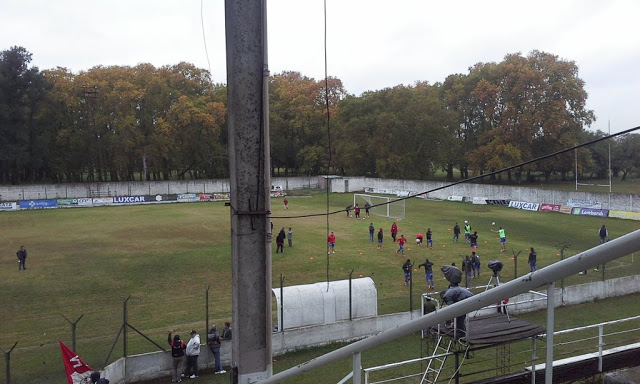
(437, 363)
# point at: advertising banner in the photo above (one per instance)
(499, 202)
(624, 215)
(102, 201)
(67, 202)
(129, 199)
(594, 212)
(479, 200)
(455, 198)
(85, 201)
(550, 207)
(584, 203)
(524, 205)
(187, 197)
(221, 196)
(5, 206)
(160, 198)
(565, 209)
(38, 204)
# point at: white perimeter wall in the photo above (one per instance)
(158, 364)
(625, 202)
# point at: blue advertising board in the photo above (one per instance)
(36, 204)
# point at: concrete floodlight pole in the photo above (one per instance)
(603, 253)
(249, 165)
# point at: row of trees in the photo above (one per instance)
(143, 122)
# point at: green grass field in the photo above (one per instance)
(87, 261)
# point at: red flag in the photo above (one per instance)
(78, 371)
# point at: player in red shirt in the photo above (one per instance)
(394, 231)
(419, 238)
(401, 241)
(332, 242)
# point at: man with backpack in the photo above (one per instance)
(214, 345)
(177, 353)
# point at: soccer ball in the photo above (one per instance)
(493, 223)
(417, 241)
(466, 222)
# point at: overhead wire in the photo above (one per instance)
(411, 196)
(204, 37)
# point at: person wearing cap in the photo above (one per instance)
(214, 345)
(177, 353)
(96, 379)
(380, 236)
(193, 351)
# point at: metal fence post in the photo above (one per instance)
(207, 311)
(281, 325)
(600, 346)
(7, 362)
(73, 330)
(357, 367)
(350, 297)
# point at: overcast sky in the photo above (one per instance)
(371, 44)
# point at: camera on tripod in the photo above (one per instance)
(495, 266)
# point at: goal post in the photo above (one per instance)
(380, 205)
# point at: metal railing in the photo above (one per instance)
(603, 253)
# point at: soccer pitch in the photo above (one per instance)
(86, 262)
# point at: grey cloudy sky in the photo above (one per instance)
(371, 44)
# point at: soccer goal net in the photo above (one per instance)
(380, 206)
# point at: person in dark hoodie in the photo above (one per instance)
(177, 353)
(213, 338)
(95, 378)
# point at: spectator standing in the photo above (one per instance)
(603, 233)
(280, 241)
(177, 354)
(394, 231)
(290, 237)
(456, 233)
(467, 267)
(226, 332)
(22, 258)
(401, 242)
(532, 260)
(193, 351)
(380, 237)
(372, 230)
(214, 344)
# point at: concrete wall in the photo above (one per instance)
(135, 188)
(625, 202)
(154, 365)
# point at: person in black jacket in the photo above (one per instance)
(22, 258)
(177, 353)
(95, 378)
(532, 260)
